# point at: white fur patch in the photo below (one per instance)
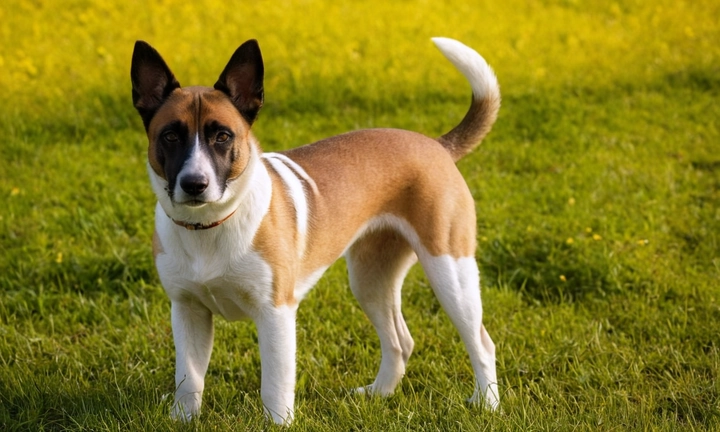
(295, 189)
(293, 177)
(471, 64)
(277, 340)
(197, 164)
(297, 168)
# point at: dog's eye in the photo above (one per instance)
(171, 137)
(222, 137)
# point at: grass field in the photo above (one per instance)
(598, 196)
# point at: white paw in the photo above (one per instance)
(186, 408)
(180, 414)
(489, 401)
(367, 390)
(372, 390)
(277, 418)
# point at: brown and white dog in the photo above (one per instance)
(246, 234)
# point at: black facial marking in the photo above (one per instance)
(176, 145)
(220, 152)
(218, 135)
(173, 154)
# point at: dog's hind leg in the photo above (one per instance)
(456, 284)
(377, 264)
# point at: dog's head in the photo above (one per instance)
(199, 137)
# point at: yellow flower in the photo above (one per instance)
(563, 278)
(59, 258)
(15, 191)
(570, 240)
(571, 201)
(597, 237)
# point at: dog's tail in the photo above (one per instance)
(485, 102)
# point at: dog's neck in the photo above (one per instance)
(200, 226)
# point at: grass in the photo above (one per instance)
(598, 195)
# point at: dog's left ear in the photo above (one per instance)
(242, 80)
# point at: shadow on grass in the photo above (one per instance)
(49, 406)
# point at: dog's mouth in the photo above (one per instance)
(193, 203)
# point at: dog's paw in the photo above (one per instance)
(489, 400)
(178, 413)
(372, 390)
(362, 390)
(280, 419)
(185, 410)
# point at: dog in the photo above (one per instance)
(246, 234)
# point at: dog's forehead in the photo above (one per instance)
(196, 107)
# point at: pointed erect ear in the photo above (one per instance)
(152, 81)
(242, 80)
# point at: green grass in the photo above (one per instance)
(598, 195)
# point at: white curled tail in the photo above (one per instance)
(485, 105)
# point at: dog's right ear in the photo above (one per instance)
(152, 81)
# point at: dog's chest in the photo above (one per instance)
(233, 283)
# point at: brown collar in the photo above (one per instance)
(199, 226)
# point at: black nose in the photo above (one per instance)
(194, 184)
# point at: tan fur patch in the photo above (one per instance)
(473, 128)
(368, 173)
(277, 241)
(217, 108)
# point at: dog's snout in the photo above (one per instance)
(194, 184)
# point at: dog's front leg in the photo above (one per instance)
(193, 334)
(276, 335)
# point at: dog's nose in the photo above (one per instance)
(194, 184)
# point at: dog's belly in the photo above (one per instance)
(235, 288)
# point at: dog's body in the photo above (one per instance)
(245, 234)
